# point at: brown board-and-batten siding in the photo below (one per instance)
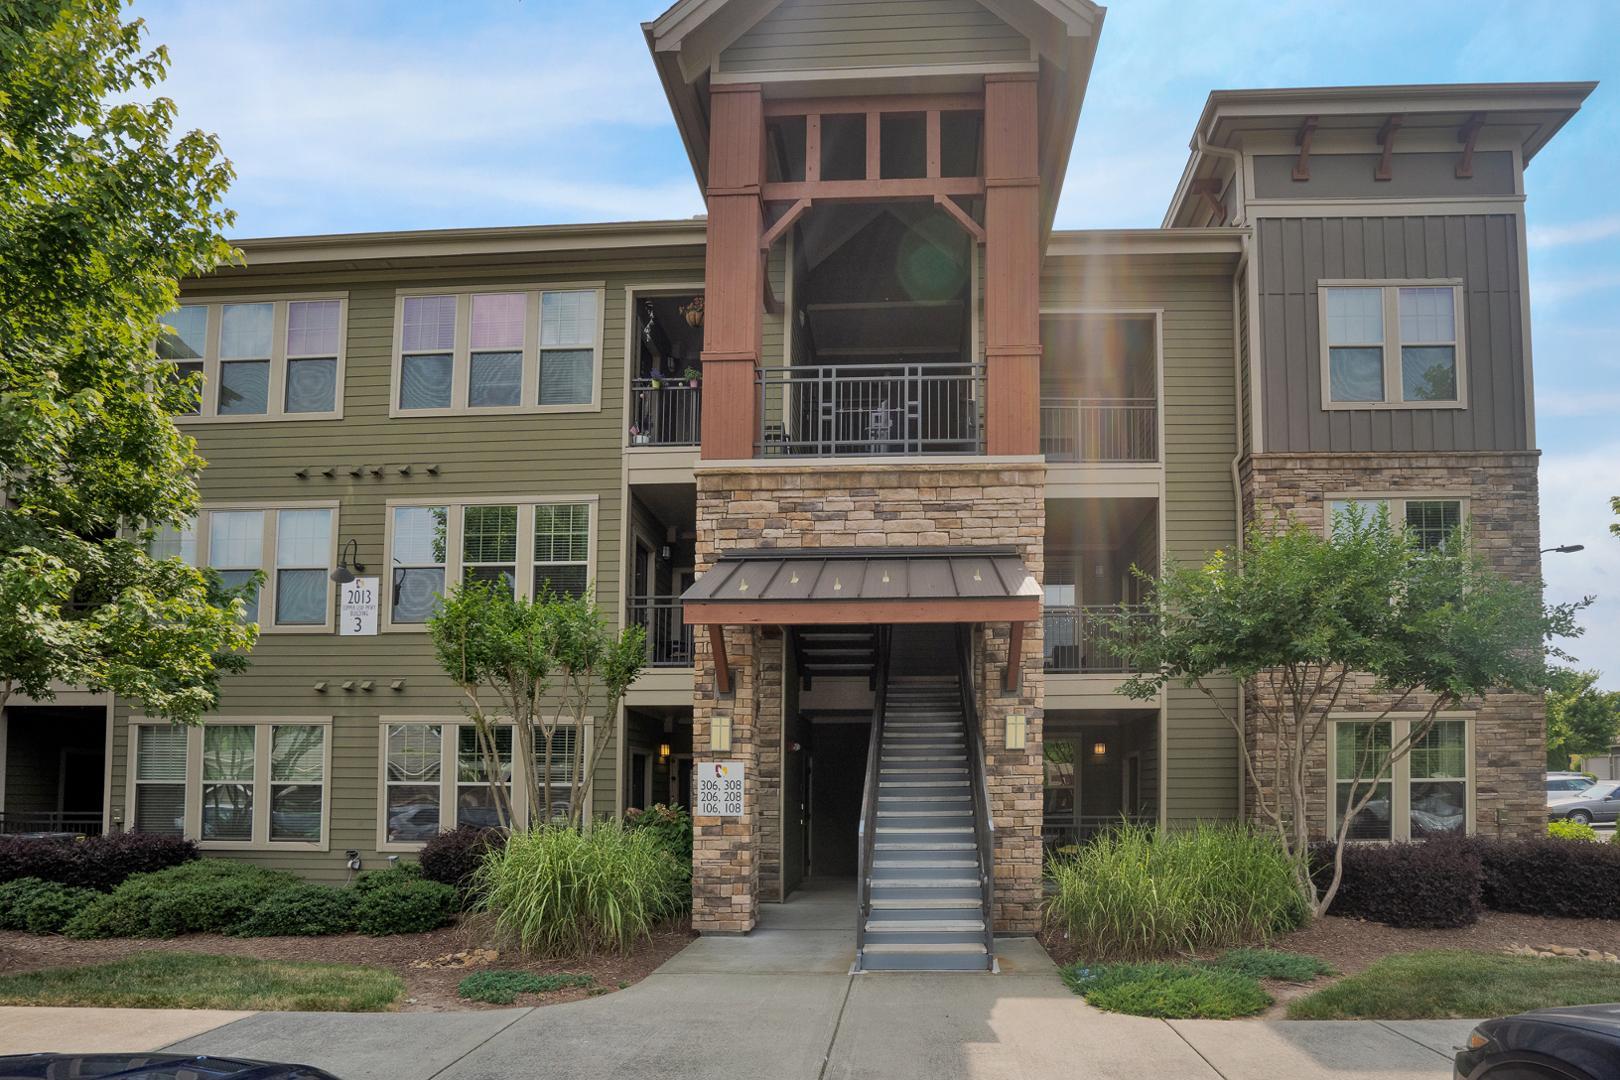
(537, 455)
(819, 35)
(1480, 250)
(1194, 294)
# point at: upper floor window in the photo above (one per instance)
(260, 359)
(1396, 345)
(1428, 521)
(295, 547)
(524, 545)
(498, 350)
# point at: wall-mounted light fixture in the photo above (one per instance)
(1017, 731)
(344, 574)
(720, 734)
(663, 753)
(1099, 749)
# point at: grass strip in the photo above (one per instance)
(1442, 984)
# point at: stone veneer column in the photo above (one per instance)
(893, 505)
(1505, 523)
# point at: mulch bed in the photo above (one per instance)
(427, 989)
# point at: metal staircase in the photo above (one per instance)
(926, 844)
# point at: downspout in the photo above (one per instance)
(1239, 202)
(1237, 497)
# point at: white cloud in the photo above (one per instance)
(1559, 289)
(1575, 491)
(1566, 403)
(1580, 232)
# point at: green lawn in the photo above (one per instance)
(1443, 984)
(178, 980)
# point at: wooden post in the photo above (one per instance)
(1012, 265)
(734, 272)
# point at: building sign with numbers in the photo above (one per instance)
(357, 611)
(720, 789)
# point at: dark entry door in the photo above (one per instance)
(837, 775)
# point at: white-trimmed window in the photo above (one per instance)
(260, 358)
(158, 780)
(475, 797)
(1392, 345)
(295, 547)
(247, 783)
(1428, 519)
(413, 766)
(1426, 793)
(525, 543)
(504, 349)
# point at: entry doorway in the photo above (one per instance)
(837, 765)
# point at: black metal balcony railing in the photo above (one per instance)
(1065, 828)
(1079, 640)
(861, 409)
(669, 640)
(665, 412)
(52, 821)
(1100, 429)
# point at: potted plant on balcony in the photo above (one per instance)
(693, 311)
(693, 376)
(639, 437)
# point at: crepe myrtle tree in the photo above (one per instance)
(539, 665)
(1299, 618)
(104, 206)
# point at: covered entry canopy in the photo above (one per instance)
(820, 586)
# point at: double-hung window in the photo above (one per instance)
(475, 780)
(1425, 793)
(413, 765)
(1394, 345)
(505, 349)
(234, 783)
(273, 358)
(294, 547)
(1429, 521)
(528, 546)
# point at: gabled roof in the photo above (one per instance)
(686, 40)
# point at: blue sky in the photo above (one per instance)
(366, 115)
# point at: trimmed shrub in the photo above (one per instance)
(209, 895)
(1552, 877)
(1272, 964)
(40, 907)
(401, 873)
(1566, 829)
(300, 911)
(97, 862)
(671, 825)
(1170, 991)
(503, 987)
(562, 892)
(403, 905)
(1134, 892)
(1430, 884)
(452, 858)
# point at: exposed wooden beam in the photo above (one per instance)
(1386, 139)
(1015, 656)
(713, 613)
(897, 103)
(1210, 189)
(874, 145)
(934, 157)
(783, 224)
(1307, 132)
(963, 218)
(1467, 135)
(812, 148)
(921, 187)
(722, 670)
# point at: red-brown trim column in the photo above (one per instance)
(1012, 265)
(734, 271)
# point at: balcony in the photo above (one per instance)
(665, 412)
(1100, 430)
(669, 641)
(870, 409)
(1078, 640)
(50, 823)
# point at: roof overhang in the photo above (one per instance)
(814, 586)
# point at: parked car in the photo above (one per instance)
(1600, 802)
(1548, 1044)
(150, 1067)
(1567, 783)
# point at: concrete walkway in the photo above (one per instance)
(781, 1003)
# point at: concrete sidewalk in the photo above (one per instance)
(781, 1003)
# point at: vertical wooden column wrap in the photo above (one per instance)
(734, 273)
(1012, 265)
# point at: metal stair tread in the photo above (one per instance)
(953, 948)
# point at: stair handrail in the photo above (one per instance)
(984, 825)
(869, 795)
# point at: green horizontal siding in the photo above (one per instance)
(805, 35)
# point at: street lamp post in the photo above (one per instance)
(1565, 549)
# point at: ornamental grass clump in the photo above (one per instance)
(557, 891)
(1136, 893)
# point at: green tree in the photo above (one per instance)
(1301, 618)
(103, 208)
(538, 665)
(1614, 505)
(1581, 719)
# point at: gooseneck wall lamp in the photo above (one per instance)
(344, 572)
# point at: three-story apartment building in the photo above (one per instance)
(865, 449)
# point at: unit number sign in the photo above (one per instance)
(720, 789)
(358, 610)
